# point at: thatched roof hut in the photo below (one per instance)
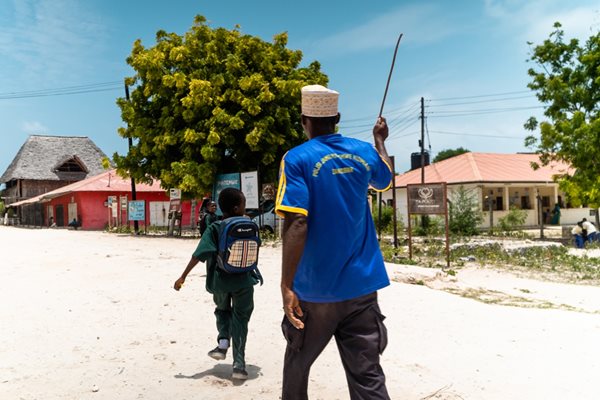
(55, 158)
(45, 163)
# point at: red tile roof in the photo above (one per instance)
(485, 167)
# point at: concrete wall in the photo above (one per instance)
(91, 209)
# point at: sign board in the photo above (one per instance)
(249, 182)
(136, 210)
(113, 204)
(427, 198)
(123, 203)
(224, 181)
(424, 199)
(175, 194)
(175, 205)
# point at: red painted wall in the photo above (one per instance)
(94, 214)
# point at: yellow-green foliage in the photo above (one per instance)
(212, 101)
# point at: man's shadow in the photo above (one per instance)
(223, 371)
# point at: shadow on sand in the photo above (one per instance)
(223, 371)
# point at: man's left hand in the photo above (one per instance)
(291, 307)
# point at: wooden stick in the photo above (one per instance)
(390, 75)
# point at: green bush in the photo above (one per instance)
(387, 214)
(2, 208)
(514, 219)
(427, 226)
(465, 215)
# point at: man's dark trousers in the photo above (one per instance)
(361, 337)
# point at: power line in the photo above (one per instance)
(402, 136)
(482, 110)
(404, 120)
(476, 134)
(463, 113)
(404, 126)
(482, 95)
(478, 101)
(370, 121)
(63, 91)
(61, 94)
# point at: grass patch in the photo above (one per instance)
(488, 296)
(552, 262)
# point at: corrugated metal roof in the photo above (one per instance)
(486, 167)
(108, 181)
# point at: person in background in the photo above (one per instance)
(577, 233)
(555, 215)
(74, 224)
(209, 217)
(590, 229)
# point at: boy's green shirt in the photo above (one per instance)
(218, 281)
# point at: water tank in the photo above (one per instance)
(415, 160)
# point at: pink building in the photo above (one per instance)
(101, 201)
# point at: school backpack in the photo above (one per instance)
(238, 245)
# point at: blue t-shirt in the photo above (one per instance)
(327, 179)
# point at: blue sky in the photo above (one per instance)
(466, 58)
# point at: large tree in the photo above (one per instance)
(211, 101)
(449, 153)
(566, 78)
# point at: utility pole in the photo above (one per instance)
(394, 216)
(422, 145)
(422, 141)
(136, 226)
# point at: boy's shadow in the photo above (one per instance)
(223, 371)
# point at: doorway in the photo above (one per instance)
(60, 215)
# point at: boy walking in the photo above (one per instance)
(232, 293)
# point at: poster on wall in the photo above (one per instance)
(224, 181)
(249, 182)
(113, 205)
(136, 210)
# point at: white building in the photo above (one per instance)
(504, 180)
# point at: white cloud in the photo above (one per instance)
(579, 22)
(423, 23)
(48, 39)
(34, 128)
(533, 20)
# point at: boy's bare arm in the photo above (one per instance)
(190, 266)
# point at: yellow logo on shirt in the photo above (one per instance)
(339, 171)
(329, 157)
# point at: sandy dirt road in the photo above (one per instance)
(90, 315)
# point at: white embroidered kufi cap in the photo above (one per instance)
(318, 101)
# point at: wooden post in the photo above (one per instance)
(394, 216)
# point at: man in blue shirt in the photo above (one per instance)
(332, 266)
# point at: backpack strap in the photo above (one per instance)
(256, 273)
